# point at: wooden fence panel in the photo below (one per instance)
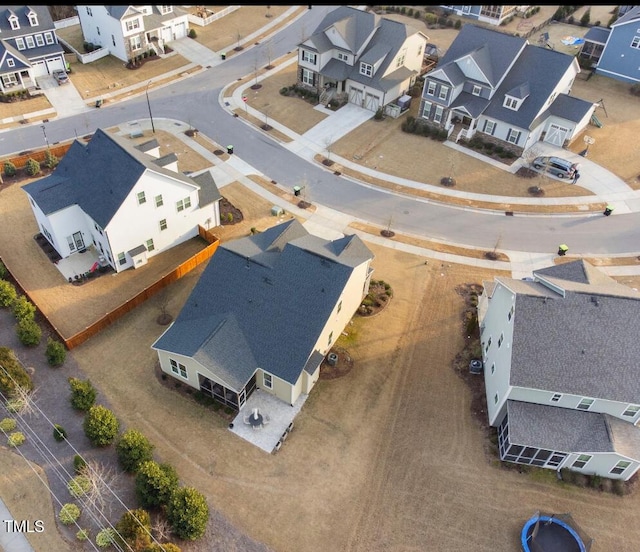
(20, 161)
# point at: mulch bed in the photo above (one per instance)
(377, 298)
(343, 366)
(226, 209)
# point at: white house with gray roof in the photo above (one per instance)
(560, 358)
(130, 31)
(360, 56)
(264, 313)
(504, 90)
(128, 204)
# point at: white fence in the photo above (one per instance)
(68, 22)
(204, 21)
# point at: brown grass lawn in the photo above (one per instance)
(18, 109)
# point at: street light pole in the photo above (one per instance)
(153, 128)
(45, 135)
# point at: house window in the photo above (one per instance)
(72, 243)
(135, 43)
(431, 88)
(48, 37)
(420, 50)
(307, 76)
(585, 404)
(89, 11)
(150, 246)
(486, 349)
(309, 57)
(266, 380)
(514, 136)
(476, 90)
(113, 39)
(581, 462)
(366, 69)
(163, 224)
(635, 43)
(444, 92)
(165, 9)
(109, 257)
(20, 43)
(339, 306)
(500, 340)
(510, 315)
(159, 202)
(98, 29)
(496, 398)
(183, 204)
(10, 62)
(400, 60)
(493, 368)
(620, 467)
(426, 109)
(556, 397)
(631, 411)
(33, 19)
(511, 103)
(10, 79)
(122, 259)
(330, 338)
(342, 57)
(437, 117)
(133, 24)
(39, 40)
(489, 127)
(30, 42)
(141, 198)
(178, 369)
(14, 22)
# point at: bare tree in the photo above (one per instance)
(266, 125)
(256, 65)
(238, 39)
(23, 401)
(163, 305)
(268, 14)
(269, 54)
(104, 487)
(328, 145)
(161, 529)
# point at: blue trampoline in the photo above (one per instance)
(553, 533)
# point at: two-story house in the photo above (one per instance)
(362, 57)
(129, 31)
(507, 90)
(264, 313)
(29, 47)
(493, 15)
(560, 360)
(128, 204)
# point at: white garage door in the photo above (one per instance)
(355, 95)
(556, 135)
(179, 31)
(373, 102)
(40, 69)
(55, 64)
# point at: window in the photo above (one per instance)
(89, 11)
(620, 467)
(585, 404)
(500, 340)
(141, 198)
(133, 24)
(48, 37)
(163, 224)
(39, 40)
(266, 380)
(165, 9)
(486, 349)
(10, 62)
(342, 57)
(122, 258)
(400, 60)
(495, 398)
(20, 43)
(511, 103)
(420, 50)
(135, 43)
(109, 257)
(631, 410)
(309, 57)
(150, 246)
(159, 202)
(426, 109)
(113, 39)
(307, 76)
(431, 88)
(330, 338)
(476, 90)
(183, 204)
(493, 368)
(510, 315)
(10, 79)
(178, 369)
(14, 22)
(366, 69)
(489, 127)
(556, 397)
(339, 306)
(33, 19)
(514, 136)
(30, 42)
(98, 29)
(581, 462)
(444, 92)
(438, 114)
(635, 43)
(72, 243)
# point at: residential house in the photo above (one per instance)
(130, 31)
(616, 51)
(28, 47)
(493, 15)
(361, 57)
(560, 357)
(128, 204)
(265, 312)
(505, 90)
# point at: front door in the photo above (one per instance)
(77, 238)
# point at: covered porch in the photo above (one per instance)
(226, 396)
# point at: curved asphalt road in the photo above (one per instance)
(196, 101)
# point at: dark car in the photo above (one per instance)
(555, 165)
(61, 77)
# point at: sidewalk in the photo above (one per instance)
(11, 542)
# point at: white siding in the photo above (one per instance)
(65, 223)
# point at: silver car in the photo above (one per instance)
(61, 77)
(555, 165)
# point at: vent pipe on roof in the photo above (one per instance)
(594, 300)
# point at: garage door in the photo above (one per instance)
(556, 135)
(179, 31)
(39, 69)
(55, 64)
(373, 102)
(355, 95)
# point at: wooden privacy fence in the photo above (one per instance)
(20, 161)
(181, 270)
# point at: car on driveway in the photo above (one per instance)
(555, 165)
(61, 77)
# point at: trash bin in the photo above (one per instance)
(608, 210)
(229, 150)
(562, 249)
(296, 190)
(223, 56)
(99, 103)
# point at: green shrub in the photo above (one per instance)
(50, 160)
(155, 483)
(79, 486)
(187, 513)
(105, 538)
(16, 439)
(7, 425)
(410, 12)
(8, 293)
(82, 535)
(13, 374)
(56, 352)
(430, 18)
(83, 394)
(69, 513)
(134, 530)
(379, 114)
(133, 448)
(165, 547)
(100, 426)
(79, 464)
(33, 167)
(586, 17)
(59, 433)
(3, 271)
(284, 90)
(23, 308)
(9, 169)
(192, 33)
(29, 333)
(458, 24)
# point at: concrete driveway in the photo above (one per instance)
(64, 98)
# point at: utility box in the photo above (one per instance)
(404, 102)
(332, 359)
(276, 211)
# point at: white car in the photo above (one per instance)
(61, 77)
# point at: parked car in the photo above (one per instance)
(555, 165)
(61, 76)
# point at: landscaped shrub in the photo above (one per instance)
(379, 114)
(192, 33)
(79, 486)
(79, 464)
(635, 89)
(16, 439)
(59, 433)
(82, 535)
(134, 530)
(33, 167)
(187, 513)
(29, 333)
(458, 24)
(165, 547)
(133, 448)
(83, 394)
(410, 12)
(7, 424)
(105, 538)
(101, 426)
(155, 483)
(9, 169)
(3, 271)
(586, 17)
(50, 160)
(8, 293)
(55, 353)
(69, 513)
(12, 373)
(23, 308)
(430, 18)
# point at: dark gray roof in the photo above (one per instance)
(137, 250)
(568, 430)
(336, 69)
(570, 108)
(117, 12)
(599, 35)
(575, 271)
(632, 15)
(97, 176)
(147, 146)
(354, 25)
(272, 294)
(21, 62)
(208, 192)
(541, 69)
(474, 105)
(45, 22)
(166, 160)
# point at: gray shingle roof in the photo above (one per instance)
(336, 69)
(599, 35)
(354, 25)
(97, 176)
(273, 292)
(45, 22)
(632, 15)
(474, 105)
(208, 192)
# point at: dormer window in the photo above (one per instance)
(33, 19)
(166, 9)
(13, 21)
(309, 57)
(366, 69)
(133, 24)
(476, 90)
(10, 63)
(343, 57)
(511, 103)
